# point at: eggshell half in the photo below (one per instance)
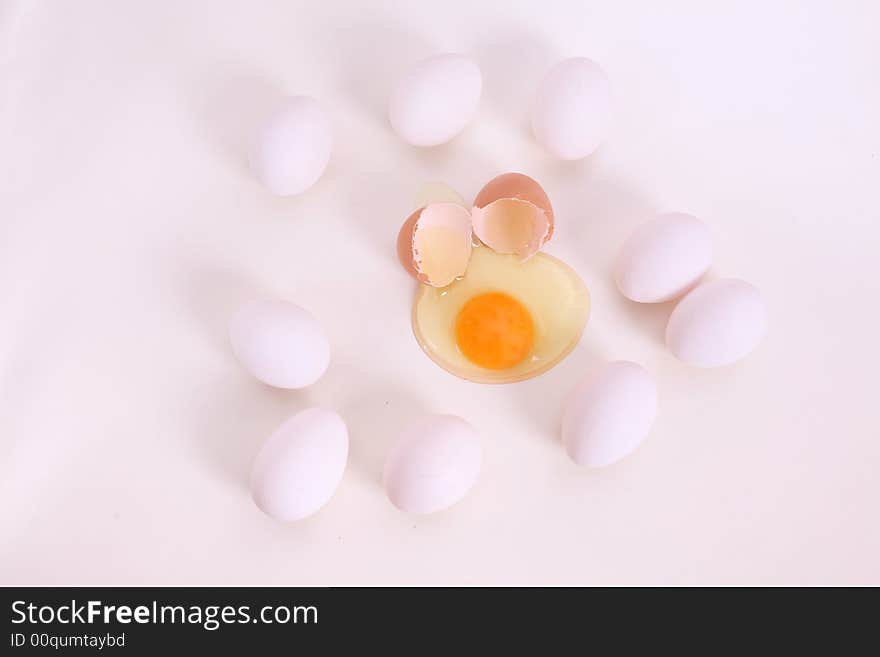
(609, 414)
(663, 258)
(513, 214)
(434, 463)
(435, 242)
(436, 100)
(279, 343)
(300, 466)
(717, 323)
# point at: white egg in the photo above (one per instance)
(663, 258)
(717, 323)
(572, 110)
(300, 466)
(279, 343)
(609, 414)
(293, 147)
(436, 100)
(435, 462)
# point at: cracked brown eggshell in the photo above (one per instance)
(513, 214)
(435, 242)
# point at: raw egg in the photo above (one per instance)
(505, 320)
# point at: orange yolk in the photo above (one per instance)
(494, 331)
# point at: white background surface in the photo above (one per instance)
(131, 228)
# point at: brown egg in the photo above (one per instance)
(512, 214)
(435, 242)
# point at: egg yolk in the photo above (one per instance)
(494, 331)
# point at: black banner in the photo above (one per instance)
(172, 620)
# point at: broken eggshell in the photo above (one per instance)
(435, 243)
(512, 214)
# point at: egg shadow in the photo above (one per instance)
(233, 419)
(655, 316)
(369, 55)
(233, 414)
(443, 157)
(210, 294)
(234, 105)
(513, 67)
(539, 401)
(375, 419)
(651, 317)
(604, 213)
(375, 204)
